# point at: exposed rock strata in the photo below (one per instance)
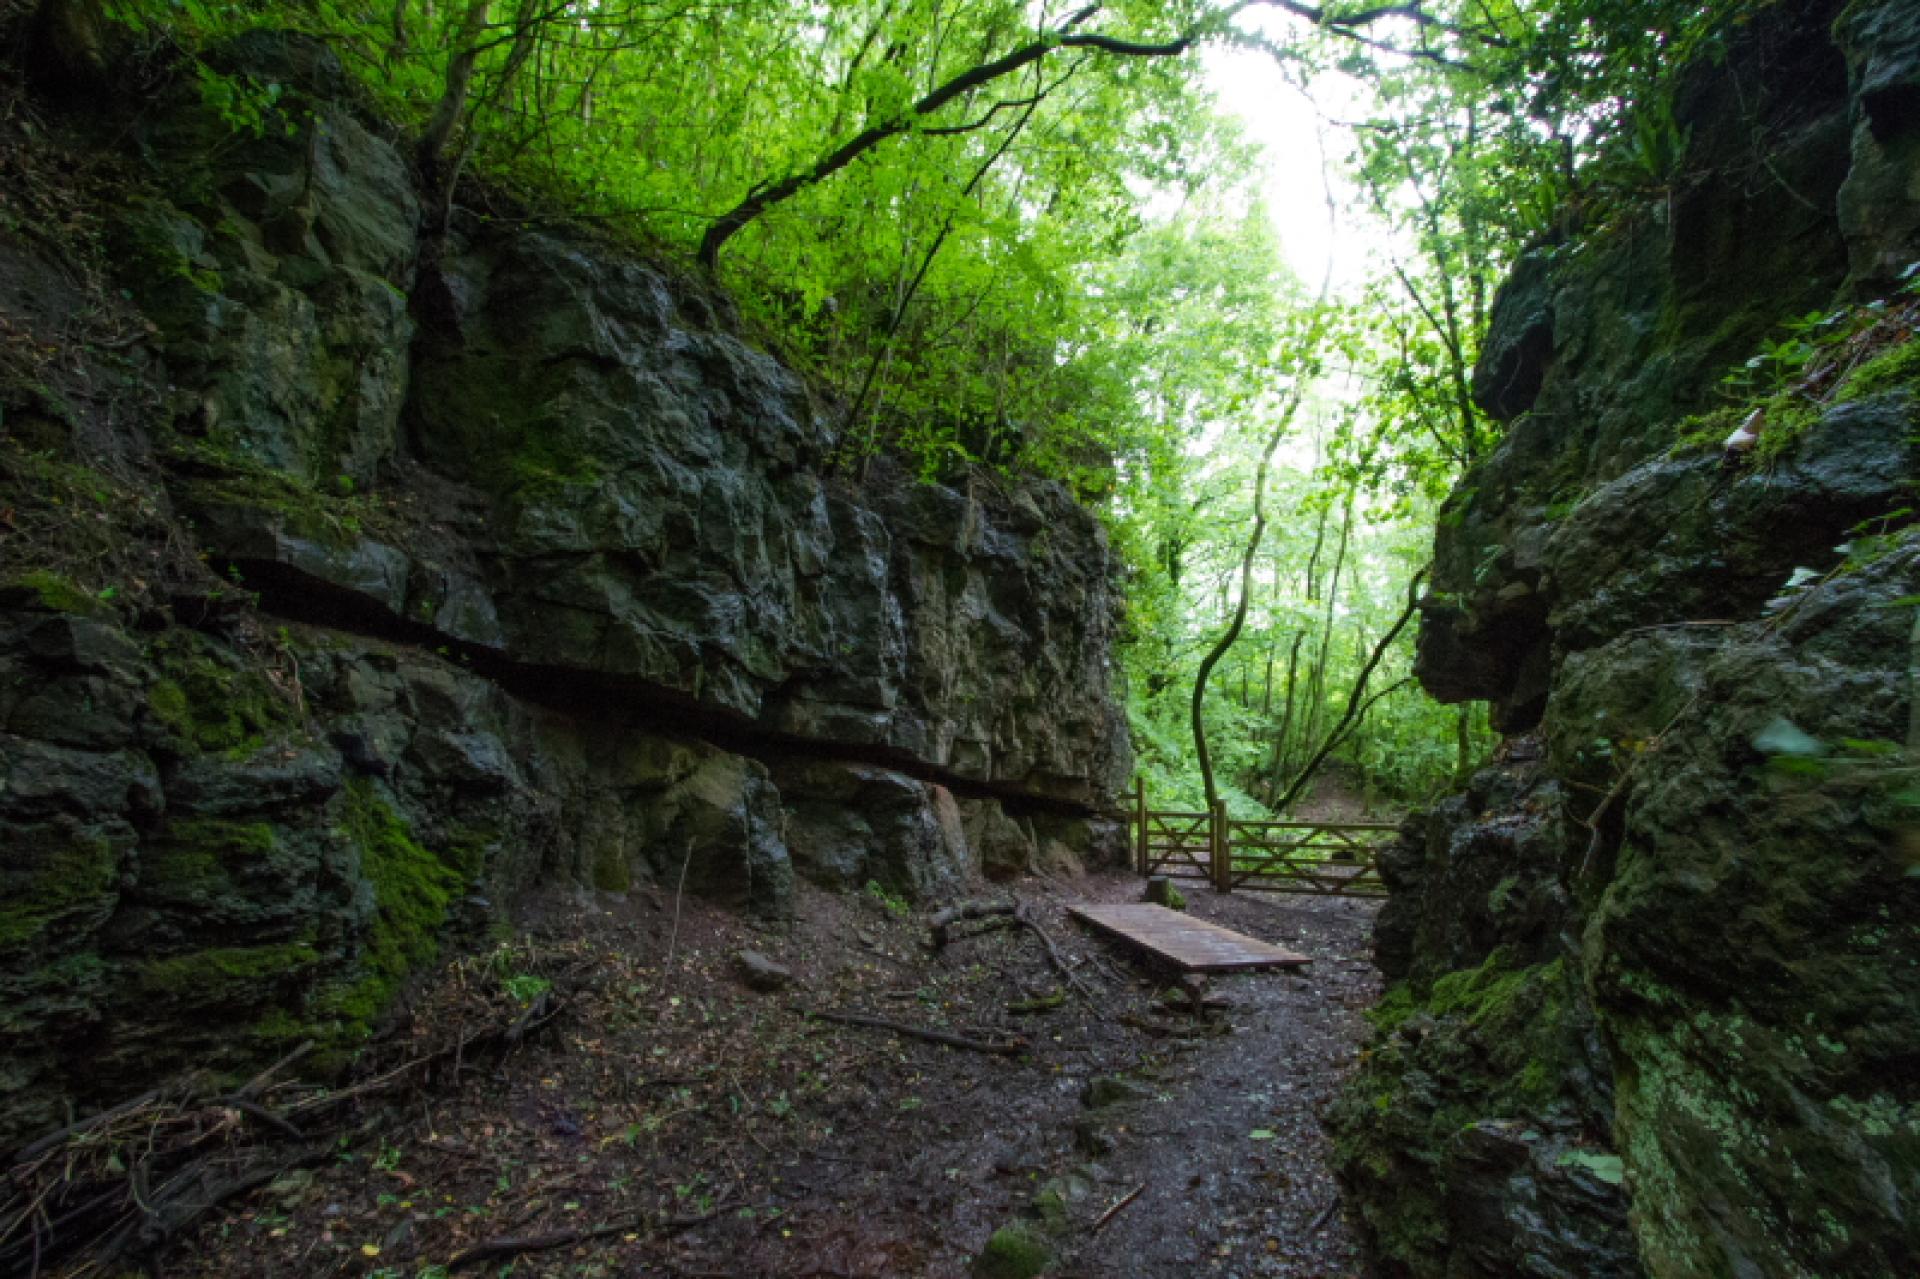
(529, 574)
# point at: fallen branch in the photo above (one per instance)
(33, 1150)
(94, 1194)
(1008, 1048)
(519, 1246)
(943, 921)
(1053, 955)
(252, 1087)
(254, 1110)
(1117, 1208)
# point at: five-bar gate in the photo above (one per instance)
(1331, 859)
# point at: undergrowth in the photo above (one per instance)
(1821, 360)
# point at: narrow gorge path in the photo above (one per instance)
(677, 1123)
(1229, 1148)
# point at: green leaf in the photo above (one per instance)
(1607, 1168)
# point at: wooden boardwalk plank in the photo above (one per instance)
(1193, 945)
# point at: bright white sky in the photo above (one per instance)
(1286, 123)
(1282, 120)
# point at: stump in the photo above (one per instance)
(1161, 892)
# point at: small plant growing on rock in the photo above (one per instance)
(889, 901)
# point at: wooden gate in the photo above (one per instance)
(1330, 859)
(1175, 844)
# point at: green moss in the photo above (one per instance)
(225, 975)
(168, 701)
(1536, 1078)
(55, 593)
(412, 890)
(278, 1029)
(215, 706)
(1049, 1208)
(74, 877)
(1784, 419)
(216, 477)
(1897, 368)
(536, 469)
(1788, 419)
(196, 857)
(1014, 1252)
(469, 849)
(1497, 1047)
(229, 842)
(1490, 992)
(1395, 1006)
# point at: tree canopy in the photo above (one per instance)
(1023, 235)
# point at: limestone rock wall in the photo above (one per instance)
(1652, 1007)
(360, 599)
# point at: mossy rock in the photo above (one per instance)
(52, 593)
(413, 890)
(1014, 1252)
(1162, 892)
(70, 880)
(1481, 1055)
(1894, 369)
(199, 864)
(206, 701)
(225, 976)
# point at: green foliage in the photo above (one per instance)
(507, 964)
(985, 286)
(243, 104)
(1808, 364)
(892, 903)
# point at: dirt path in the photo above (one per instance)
(708, 1130)
(1230, 1150)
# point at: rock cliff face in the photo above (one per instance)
(1654, 1006)
(343, 603)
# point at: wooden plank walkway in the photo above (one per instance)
(1192, 945)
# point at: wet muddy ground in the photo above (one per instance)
(675, 1122)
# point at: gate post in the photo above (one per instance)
(1222, 865)
(1140, 824)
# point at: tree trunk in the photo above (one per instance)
(1358, 703)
